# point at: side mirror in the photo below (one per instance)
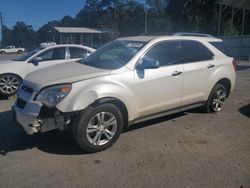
(36, 60)
(148, 64)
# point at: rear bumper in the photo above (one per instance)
(28, 116)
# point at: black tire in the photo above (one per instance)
(16, 81)
(19, 52)
(82, 121)
(3, 52)
(210, 104)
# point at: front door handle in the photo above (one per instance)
(210, 66)
(176, 73)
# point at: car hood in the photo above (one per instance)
(68, 72)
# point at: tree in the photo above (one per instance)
(24, 36)
(47, 31)
(127, 17)
(89, 15)
(67, 21)
(7, 37)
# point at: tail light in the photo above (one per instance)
(234, 62)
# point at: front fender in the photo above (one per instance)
(21, 71)
(84, 95)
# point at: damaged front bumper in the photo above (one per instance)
(36, 117)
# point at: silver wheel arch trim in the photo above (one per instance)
(90, 98)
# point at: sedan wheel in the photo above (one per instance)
(9, 84)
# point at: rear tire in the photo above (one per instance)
(216, 99)
(97, 127)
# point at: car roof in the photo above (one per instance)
(168, 37)
(70, 45)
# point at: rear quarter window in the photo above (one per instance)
(220, 46)
(194, 51)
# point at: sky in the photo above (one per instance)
(37, 12)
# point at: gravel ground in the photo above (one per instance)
(190, 149)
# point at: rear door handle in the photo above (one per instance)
(210, 66)
(176, 73)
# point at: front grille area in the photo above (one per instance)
(27, 89)
(46, 112)
(20, 103)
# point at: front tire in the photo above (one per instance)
(97, 127)
(216, 98)
(9, 84)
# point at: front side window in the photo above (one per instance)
(77, 52)
(194, 51)
(166, 53)
(113, 55)
(53, 54)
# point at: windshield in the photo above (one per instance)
(114, 55)
(28, 55)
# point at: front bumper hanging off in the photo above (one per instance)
(30, 118)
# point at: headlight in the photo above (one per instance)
(52, 95)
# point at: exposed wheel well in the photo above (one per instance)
(12, 74)
(226, 83)
(119, 104)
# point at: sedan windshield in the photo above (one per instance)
(28, 55)
(114, 55)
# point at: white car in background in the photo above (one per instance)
(12, 72)
(47, 44)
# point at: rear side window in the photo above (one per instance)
(194, 51)
(220, 46)
(166, 53)
(77, 52)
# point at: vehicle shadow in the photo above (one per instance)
(245, 110)
(3, 97)
(13, 138)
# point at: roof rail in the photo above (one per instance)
(192, 34)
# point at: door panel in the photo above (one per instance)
(159, 89)
(198, 66)
(195, 80)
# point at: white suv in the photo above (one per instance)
(128, 80)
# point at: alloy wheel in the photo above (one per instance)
(9, 84)
(218, 100)
(101, 128)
